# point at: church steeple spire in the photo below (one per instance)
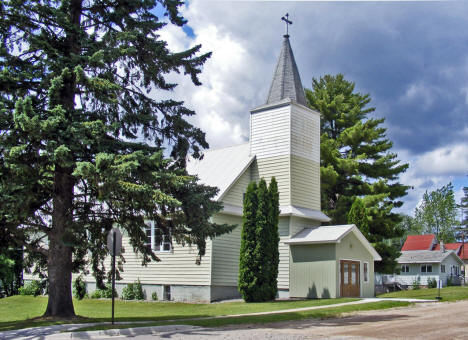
(286, 81)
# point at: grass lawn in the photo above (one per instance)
(447, 293)
(23, 311)
(262, 319)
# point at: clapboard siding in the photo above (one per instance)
(175, 267)
(225, 269)
(270, 134)
(299, 223)
(235, 195)
(305, 133)
(278, 167)
(226, 251)
(305, 183)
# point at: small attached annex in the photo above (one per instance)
(331, 261)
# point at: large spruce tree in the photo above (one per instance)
(82, 133)
(356, 158)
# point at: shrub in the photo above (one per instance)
(31, 288)
(154, 296)
(431, 283)
(79, 288)
(133, 291)
(128, 292)
(138, 291)
(107, 293)
(416, 283)
(449, 281)
(96, 294)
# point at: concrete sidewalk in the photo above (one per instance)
(56, 331)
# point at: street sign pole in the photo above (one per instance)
(113, 273)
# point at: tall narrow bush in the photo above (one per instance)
(247, 264)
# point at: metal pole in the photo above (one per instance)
(113, 273)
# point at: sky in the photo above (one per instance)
(411, 57)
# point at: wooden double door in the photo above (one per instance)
(350, 280)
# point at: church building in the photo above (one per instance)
(315, 261)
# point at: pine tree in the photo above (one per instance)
(357, 215)
(84, 139)
(464, 208)
(248, 267)
(272, 248)
(356, 158)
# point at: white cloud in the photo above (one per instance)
(432, 170)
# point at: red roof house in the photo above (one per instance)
(450, 246)
(419, 242)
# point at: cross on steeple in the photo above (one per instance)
(288, 22)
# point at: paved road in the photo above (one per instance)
(423, 321)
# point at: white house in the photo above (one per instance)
(421, 265)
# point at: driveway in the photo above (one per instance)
(422, 321)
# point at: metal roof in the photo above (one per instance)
(221, 167)
(331, 234)
(426, 256)
(286, 81)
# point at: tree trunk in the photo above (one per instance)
(59, 261)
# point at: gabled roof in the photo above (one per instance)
(449, 246)
(331, 234)
(419, 242)
(426, 256)
(286, 81)
(463, 254)
(221, 167)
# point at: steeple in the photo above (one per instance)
(286, 81)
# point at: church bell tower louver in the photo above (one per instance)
(285, 139)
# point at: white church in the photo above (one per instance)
(315, 261)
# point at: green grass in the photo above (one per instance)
(262, 319)
(447, 293)
(24, 311)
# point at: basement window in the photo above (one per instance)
(167, 293)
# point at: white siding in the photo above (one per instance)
(235, 195)
(279, 167)
(226, 250)
(175, 267)
(270, 134)
(299, 223)
(305, 183)
(305, 133)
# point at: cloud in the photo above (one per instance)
(416, 71)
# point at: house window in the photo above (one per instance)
(442, 268)
(426, 268)
(156, 239)
(366, 272)
(161, 242)
(405, 268)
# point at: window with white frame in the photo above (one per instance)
(426, 268)
(405, 268)
(156, 239)
(366, 272)
(442, 268)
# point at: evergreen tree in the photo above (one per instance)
(248, 267)
(355, 158)
(357, 215)
(82, 135)
(259, 254)
(464, 208)
(437, 214)
(272, 249)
